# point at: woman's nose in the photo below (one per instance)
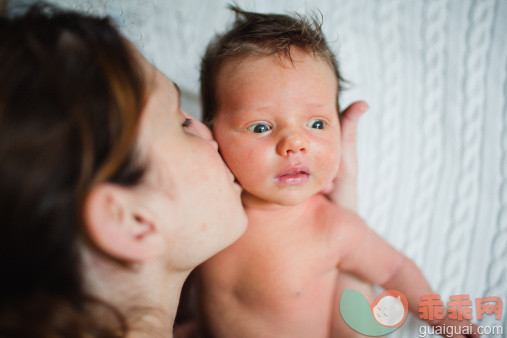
(199, 129)
(292, 142)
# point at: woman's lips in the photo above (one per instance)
(293, 175)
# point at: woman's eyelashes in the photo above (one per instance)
(187, 123)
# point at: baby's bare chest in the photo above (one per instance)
(294, 265)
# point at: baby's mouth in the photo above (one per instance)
(293, 176)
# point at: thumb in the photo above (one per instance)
(350, 118)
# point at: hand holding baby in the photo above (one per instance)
(343, 189)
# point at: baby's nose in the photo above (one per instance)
(293, 142)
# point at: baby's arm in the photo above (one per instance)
(410, 280)
(361, 251)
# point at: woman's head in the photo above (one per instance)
(90, 161)
(187, 206)
(70, 101)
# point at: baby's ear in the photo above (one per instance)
(119, 227)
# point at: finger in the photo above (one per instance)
(328, 188)
(350, 118)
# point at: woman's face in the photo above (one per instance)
(190, 191)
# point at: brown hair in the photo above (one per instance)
(71, 95)
(256, 34)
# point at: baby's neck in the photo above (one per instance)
(265, 215)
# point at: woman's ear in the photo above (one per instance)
(117, 224)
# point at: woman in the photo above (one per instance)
(109, 194)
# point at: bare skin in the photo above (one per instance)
(342, 191)
(343, 188)
(278, 131)
(153, 226)
(280, 278)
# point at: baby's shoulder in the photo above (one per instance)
(334, 217)
(328, 210)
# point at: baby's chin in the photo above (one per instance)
(289, 201)
(280, 198)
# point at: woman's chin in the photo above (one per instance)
(237, 229)
(242, 225)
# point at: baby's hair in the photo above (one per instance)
(256, 34)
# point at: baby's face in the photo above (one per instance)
(277, 127)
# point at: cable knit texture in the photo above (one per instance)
(432, 148)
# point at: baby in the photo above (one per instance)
(270, 90)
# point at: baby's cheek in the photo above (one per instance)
(244, 164)
(328, 164)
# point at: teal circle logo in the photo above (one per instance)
(387, 312)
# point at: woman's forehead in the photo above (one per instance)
(160, 112)
(164, 94)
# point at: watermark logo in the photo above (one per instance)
(459, 307)
(387, 312)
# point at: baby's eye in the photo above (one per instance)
(317, 124)
(259, 128)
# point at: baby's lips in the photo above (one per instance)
(295, 169)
